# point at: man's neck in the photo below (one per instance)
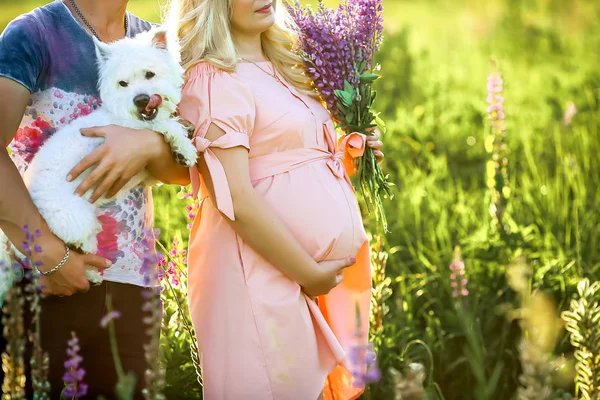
(106, 16)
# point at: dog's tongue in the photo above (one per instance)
(154, 103)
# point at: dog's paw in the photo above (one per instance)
(186, 154)
(89, 245)
(176, 133)
(179, 158)
(93, 275)
(86, 241)
(188, 126)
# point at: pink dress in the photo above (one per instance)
(260, 337)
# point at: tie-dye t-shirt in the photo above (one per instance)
(50, 53)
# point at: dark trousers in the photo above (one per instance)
(81, 314)
(2, 345)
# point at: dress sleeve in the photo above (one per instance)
(212, 96)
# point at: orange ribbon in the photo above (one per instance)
(351, 146)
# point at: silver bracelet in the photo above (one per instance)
(60, 264)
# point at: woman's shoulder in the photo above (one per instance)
(209, 70)
(203, 68)
(209, 81)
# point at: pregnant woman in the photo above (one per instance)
(278, 254)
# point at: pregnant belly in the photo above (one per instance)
(319, 209)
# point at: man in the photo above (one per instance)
(48, 78)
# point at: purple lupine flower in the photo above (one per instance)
(30, 249)
(29, 245)
(150, 263)
(495, 101)
(368, 26)
(335, 42)
(171, 270)
(109, 317)
(337, 47)
(458, 280)
(192, 209)
(364, 367)
(73, 377)
(26, 247)
(162, 263)
(498, 180)
(362, 357)
(569, 113)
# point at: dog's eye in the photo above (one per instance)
(123, 84)
(150, 75)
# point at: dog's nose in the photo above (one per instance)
(141, 101)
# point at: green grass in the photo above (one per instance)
(151, 10)
(435, 61)
(147, 9)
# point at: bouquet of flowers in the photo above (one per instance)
(338, 48)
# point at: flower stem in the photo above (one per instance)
(190, 330)
(114, 348)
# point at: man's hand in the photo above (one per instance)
(125, 153)
(71, 277)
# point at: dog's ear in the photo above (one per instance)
(102, 50)
(159, 40)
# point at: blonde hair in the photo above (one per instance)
(203, 31)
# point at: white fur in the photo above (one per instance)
(73, 218)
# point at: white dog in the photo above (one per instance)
(140, 87)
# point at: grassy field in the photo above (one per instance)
(151, 10)
(450, 169)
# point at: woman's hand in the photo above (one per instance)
(329, 275)
(125, 153)
(374, 142)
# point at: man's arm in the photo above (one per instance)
(17, 209)
(164, 167)
(125, 153)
